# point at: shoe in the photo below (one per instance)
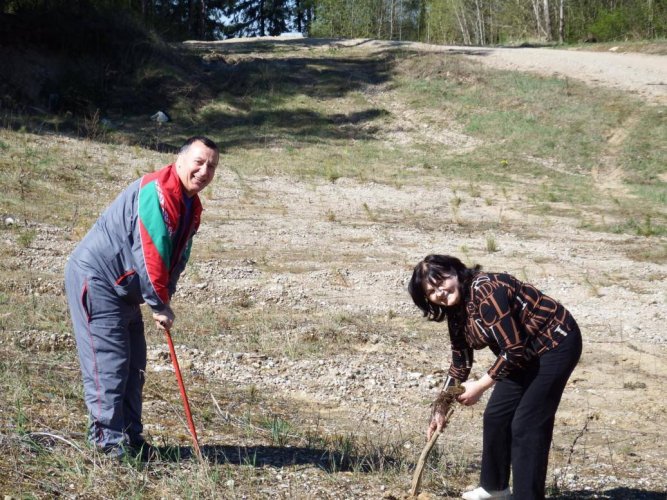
(115, 451)
(144, 451)
(481, 494)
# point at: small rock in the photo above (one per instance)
(160, 117)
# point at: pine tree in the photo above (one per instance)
(258, 17)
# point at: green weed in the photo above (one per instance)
(491, 245)
(369, 213)
(27, 237)
(280, 430)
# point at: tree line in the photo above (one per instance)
(484, 22)
(467, 22)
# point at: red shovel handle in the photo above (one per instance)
(184, 396)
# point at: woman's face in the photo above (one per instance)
(444, 292)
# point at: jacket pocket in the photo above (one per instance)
(85, 302)
(127, 287)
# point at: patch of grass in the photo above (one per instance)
(653, 253)
(369, 213)
(592, 287)
(653, 46)
(549, 118)
(645, 226)
(446, 470)
(491, 244)
(643, 152)
(279, 428)
(474, 190)
(466, 253)
(53, 179)
(26, 237)
(455, 203)
(634, 385)
(655, 194)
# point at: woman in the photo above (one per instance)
(537, 343)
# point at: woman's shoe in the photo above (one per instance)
(481, 494)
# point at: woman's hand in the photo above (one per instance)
(441, 409)
(437, 424)
(474, 390)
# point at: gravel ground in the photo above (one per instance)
(357, 267)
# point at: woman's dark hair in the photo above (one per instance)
(433, 269)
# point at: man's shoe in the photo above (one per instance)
(115, 451)
(144, 451)
(481, 494)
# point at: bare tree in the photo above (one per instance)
(561, 21)
(538, 18)
(392, 8)
(479, 24)
(547, 19)
(649, 13)
(463, 23)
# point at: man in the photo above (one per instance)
(134, 253)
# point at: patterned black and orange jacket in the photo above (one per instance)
(514, 319)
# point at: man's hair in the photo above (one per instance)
(199, 138)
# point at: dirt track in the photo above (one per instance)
(644, 75)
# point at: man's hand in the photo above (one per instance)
(164, 319)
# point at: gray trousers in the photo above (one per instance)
(112, 352)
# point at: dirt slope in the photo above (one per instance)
(642, 74)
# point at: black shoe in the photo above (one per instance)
(144, 451)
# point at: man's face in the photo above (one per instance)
(196, 167)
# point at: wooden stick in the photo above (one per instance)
(421, 463)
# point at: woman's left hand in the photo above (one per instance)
(474, 390)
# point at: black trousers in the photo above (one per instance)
(519, 421)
